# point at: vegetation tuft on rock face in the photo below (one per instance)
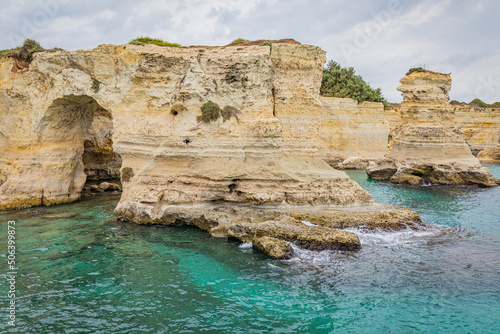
(343, 82)
(156, 41)
(228, 111)
(96, 84)
(210, 111)
(479, 103)
(496, 104)
(26, 51)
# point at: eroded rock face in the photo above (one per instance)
(490, 154)
(41, 151)
(481, 126)
(426, 148)
(354, 134)
(275, 248)
(270, 156)
(310, 237)
(99, 159)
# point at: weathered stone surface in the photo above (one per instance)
(217, 218)
(481, 126)
(353, 133)
(287, 228)
(99, 159)
(275, 248)
(425, 148)
(106, 186)
(490, 154)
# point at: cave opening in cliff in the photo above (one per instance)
(100, 161)
(81, 130)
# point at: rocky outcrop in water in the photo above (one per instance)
(426, 148)
(258, 160)
(275, 248)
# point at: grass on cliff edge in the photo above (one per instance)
(156, 41)
(26, 51)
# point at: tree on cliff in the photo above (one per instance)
(343, 82)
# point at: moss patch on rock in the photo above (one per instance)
(210, 111)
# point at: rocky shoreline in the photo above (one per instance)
(252, 167)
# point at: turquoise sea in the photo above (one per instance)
(81, 272)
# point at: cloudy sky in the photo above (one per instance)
(380, 39)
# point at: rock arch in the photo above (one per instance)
(49, 170)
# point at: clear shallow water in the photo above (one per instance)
(82, 273)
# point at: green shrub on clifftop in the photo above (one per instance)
(26, 51)
(343, 82)
(237, 40)
(156, 41)
(415, 69)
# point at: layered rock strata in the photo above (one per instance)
(425, 147)
(354, 134)
(491, 154)
(261, 161)
(481, 126)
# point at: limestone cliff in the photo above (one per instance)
(425, 147)
(353, 133)
(491, 154)
(261, 161)
(481, 126)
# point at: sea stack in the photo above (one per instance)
(427, 147)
